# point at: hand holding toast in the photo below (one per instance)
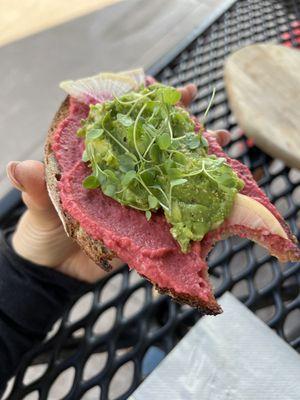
(40, 236)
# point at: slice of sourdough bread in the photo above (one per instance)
(95, 249)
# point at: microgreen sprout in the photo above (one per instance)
(144, 153)
(135, 129)
(209, 106)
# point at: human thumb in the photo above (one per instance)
(29, 177)
(39, 236)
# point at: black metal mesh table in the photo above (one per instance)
(132, 339)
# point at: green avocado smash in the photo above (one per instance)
(145, 154)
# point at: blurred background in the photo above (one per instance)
(43, 42)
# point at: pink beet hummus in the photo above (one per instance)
(145, 245)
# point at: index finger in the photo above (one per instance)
(188, 93)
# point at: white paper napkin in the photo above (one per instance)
(233, 356)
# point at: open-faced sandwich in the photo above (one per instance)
(133, 175)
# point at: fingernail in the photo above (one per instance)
(11, 173)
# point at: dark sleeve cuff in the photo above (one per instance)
(32, 296)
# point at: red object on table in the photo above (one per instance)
(290, 38)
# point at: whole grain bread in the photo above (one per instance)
(95, 249)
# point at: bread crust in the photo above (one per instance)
(95, 249)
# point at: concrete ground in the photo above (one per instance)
(127, 34)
